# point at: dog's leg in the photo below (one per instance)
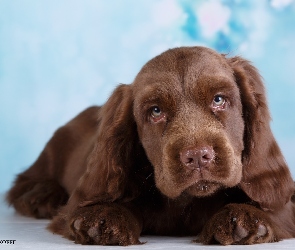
(39, 199)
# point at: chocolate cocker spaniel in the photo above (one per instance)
(186, 149)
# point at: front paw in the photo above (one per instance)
(105, 225)
(239, 224)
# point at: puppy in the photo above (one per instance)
(186, 149)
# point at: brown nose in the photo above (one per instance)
(197, 158)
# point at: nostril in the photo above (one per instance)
(189, 160)
(207, 154)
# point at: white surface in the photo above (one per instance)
(32, 234)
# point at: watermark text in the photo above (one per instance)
(7, 242)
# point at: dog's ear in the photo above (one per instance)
(266, 177)
(113, 155)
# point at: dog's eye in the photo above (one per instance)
(157, 114)
(218, 101)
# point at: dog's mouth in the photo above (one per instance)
(202, 188)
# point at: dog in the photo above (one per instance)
(186, 149)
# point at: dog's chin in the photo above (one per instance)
(202, 189)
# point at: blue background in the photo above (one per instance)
(58, 57)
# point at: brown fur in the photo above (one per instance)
(163, 156)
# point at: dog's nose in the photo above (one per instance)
(197, 158)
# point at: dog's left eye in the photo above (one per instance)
(218, 101)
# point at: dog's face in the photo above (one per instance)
(188, 112)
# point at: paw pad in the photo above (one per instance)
(77, 224)
(262, 231)
(92, 232)
(239, 233)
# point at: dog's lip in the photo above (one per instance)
(203, 187)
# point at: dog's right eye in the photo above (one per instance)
(157, 114)
(156, 111)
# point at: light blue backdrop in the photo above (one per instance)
(58, 57)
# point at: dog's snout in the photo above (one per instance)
(196, 158)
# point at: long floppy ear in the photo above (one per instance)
(266, 177)
(109, 163)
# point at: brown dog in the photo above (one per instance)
(185, 149)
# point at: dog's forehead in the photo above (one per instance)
(184, 68)
(181, 60)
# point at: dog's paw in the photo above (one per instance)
(238, 224)
(105, 225)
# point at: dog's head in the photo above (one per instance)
(189, 114)
(203, 123)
